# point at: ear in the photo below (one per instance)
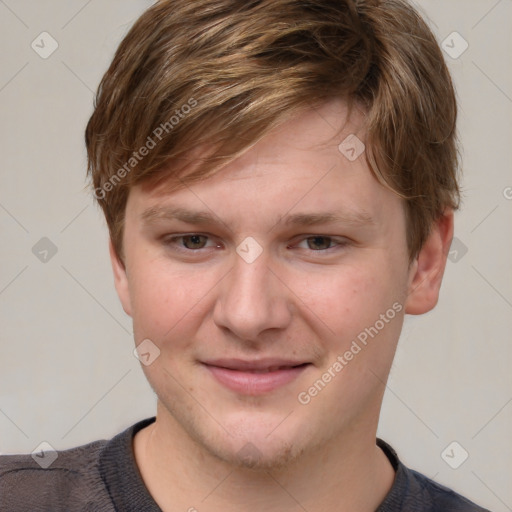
(120, 279)
(427, 269)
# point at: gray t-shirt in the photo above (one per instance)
(103, 477)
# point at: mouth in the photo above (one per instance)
(255, 377)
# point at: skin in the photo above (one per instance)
(303, 297)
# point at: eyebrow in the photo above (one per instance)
(156, 213)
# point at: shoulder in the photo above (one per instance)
(412, 490)
(439, 497)
(54, 480)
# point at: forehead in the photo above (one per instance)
(318, 129)
(308, 164)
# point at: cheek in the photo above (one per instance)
(344, 299)
(166, 299)
(337, 302)
(357, 312)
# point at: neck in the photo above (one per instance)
(351, 473)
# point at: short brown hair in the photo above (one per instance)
(223, 73)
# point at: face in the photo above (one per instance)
(275, 292)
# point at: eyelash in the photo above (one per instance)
(171, 242)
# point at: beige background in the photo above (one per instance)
(67, 372)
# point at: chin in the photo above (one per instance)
(254, 445)
(246, 437)
(272, 456)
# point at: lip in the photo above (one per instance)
(255, 377)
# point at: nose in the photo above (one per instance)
(252, 300)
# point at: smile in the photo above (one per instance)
(254, 378)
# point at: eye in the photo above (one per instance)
(321, 243)
(190, 242)
(194, 241)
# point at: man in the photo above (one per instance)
(278, 179)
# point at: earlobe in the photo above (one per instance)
(120, 279)
(427, 269)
